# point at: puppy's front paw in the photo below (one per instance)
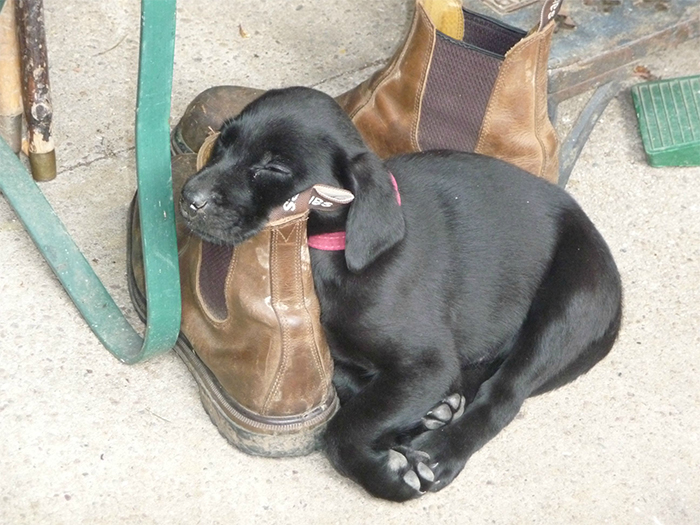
(447, 411)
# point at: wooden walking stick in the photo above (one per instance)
(38, 110)
(10, 84)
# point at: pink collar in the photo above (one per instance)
(335, 241)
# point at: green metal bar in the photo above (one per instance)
(155, 190)
(65, 259)
(156, 207)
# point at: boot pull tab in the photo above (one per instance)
(549, 11)
(328, 198)
(319, 197)
(446, 16)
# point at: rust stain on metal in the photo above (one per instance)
(35, 75)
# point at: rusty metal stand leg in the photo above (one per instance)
(36, 89)
(10, 84)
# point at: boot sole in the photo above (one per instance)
(251, 433)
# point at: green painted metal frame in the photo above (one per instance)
(156, 206)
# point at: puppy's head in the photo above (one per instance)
(278, 146)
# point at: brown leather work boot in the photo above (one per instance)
(459, 81)
(250, 331)
(483, 90)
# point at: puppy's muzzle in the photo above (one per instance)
(193, 204)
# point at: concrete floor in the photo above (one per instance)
(85, 439)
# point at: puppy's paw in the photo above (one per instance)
(413, 468)
(446, 450)
(447, 411)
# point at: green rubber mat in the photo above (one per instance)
(669, 120)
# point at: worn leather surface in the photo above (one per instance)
(516, 126)
(210, 109)
(269, 352)
(386, 107)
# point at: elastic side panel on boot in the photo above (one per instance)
(456, 94)
(213, 271)
(488, 34)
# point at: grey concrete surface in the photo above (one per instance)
(85, 439)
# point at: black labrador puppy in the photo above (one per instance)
(482, 287)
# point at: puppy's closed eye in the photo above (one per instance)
(272, 168)
(272, 182)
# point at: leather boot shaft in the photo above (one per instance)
(386, 106)
(516, 126)
(253, 317)
(250, 332)
(484, 93)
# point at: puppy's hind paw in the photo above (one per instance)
(448, 410)
(412, 467)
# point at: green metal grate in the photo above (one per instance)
(669, 120)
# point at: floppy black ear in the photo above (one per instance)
(375, 222)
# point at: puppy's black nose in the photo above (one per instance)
(192, 203)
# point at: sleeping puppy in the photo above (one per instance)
(465, 285)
